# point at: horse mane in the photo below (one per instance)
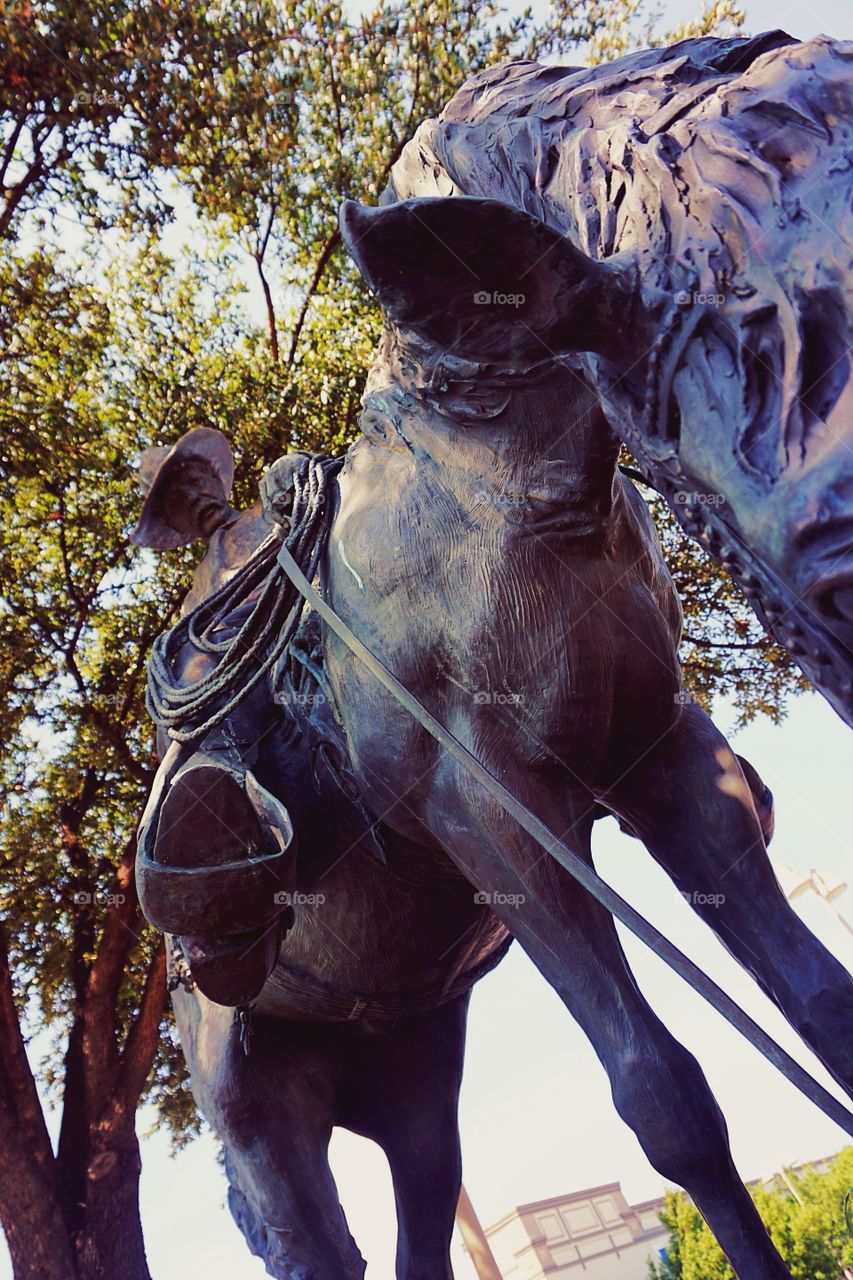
(641, 154)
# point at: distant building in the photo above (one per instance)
(588, 1235)
(595, 1234)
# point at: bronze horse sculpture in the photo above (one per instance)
(544, 256)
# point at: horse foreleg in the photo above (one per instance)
(274, 1112)
(403, 1091)
(692, 806)
(658, 1088)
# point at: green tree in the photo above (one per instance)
(806, 1213)
(93, 93)
(93, 369)
(623, 25)
(725, 651)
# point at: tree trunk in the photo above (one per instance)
(32, 1218)
(75, 1216)
(108, 1246)
(30, 1199)
(111, 1244)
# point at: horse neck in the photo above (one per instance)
(549, 446)
(564, 426)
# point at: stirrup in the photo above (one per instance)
(217, 852)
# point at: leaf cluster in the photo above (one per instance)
(806, 1213)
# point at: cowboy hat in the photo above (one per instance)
(204, 444)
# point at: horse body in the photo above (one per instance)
(537, 625)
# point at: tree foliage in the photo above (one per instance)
(623, 25)
(807, 1214)
(725, 652)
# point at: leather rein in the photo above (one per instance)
(571, 862)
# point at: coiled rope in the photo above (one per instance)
(189, 711)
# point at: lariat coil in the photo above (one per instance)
(190, 711)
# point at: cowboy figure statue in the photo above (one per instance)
(206, 802)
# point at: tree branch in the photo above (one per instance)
(633, 474)
(724, 644)
(71, 815)
(142, 1039)
(10, 148)
(120, 933)
(271, 320)
(322, 262)
(17, 194)
(334, 239)
(259, 255)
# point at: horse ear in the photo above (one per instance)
(490, 283)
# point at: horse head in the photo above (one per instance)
(717, 336)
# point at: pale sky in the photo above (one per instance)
(536, 1118)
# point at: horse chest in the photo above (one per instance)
(530, 629)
